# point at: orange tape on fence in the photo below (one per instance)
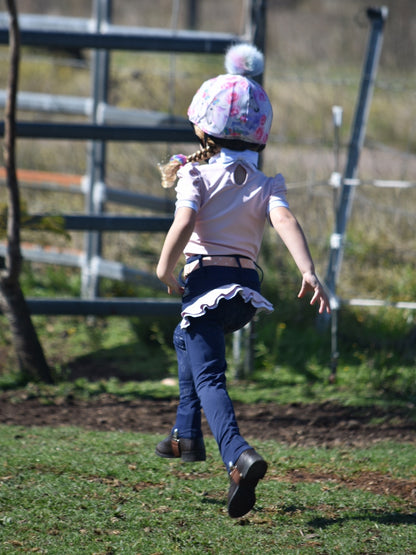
(35, 176)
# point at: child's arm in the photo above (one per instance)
(176, 240)
(287, 226)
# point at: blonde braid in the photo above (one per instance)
(168, 171)
(204, 154)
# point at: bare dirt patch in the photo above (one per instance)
(326, 424)
(375, 482)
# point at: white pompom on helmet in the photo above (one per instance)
(234, 106)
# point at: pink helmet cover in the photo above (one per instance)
(233, 106)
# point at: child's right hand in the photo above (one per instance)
(172, 284)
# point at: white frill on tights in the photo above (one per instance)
(210, 300)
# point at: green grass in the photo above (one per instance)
(69, 491)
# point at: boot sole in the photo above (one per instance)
(186, 457)
(243, 498)
(198, 457)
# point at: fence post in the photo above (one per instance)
(244, 338)
(96, 161)
(258, 22)
(193, 14)
(377, 17)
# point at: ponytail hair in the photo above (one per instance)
(168, 171)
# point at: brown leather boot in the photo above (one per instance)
(244, 476)
(189, 450)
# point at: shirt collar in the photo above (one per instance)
(226, 157)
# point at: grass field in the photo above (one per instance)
(68, 491)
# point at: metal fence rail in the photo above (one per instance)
(99, 222)
(82, 106)
(64, 33)
(105, 307)
(104, 222)
(109, 123)
(100, 132)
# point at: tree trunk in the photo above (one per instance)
(29, 352)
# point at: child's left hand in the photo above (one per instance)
(311, 283)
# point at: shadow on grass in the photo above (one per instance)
(133, 361)
(388, 519)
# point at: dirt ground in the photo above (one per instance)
(326, 424)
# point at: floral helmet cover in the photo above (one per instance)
(234, 106)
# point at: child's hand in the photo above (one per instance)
(311, 283)
(178, 289)
(173, 285)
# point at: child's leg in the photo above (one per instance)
(188, 415)
(205, 345)
(185, 440)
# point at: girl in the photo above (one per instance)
(221, 211)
